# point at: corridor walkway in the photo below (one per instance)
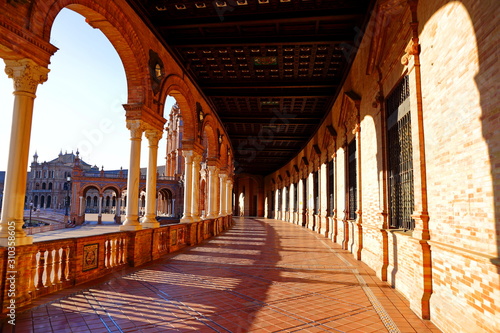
(260, 276)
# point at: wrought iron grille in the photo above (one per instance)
(295, 197)
(280, 200)
(331, 185)
(305, 193)
(286, 193)
(316, 192)
(353, 186)
(400, 156)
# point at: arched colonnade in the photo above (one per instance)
(152, 75)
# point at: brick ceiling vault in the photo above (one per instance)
(271, 69)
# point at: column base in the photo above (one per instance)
(187, 219)
(150, 225)
(149, 222)
(130, 227)
(26, 240)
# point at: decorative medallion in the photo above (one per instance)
(90, 257)
(265, 61)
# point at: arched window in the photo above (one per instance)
(89, 201)
(95, 201)
(113, 202)
(42, 201)
(44, 186)
(108, 200)
(50, 186)
(49, 201)
(35, 202)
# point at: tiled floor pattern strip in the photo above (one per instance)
(260, 276)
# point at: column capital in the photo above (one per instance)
(136, 128)
(212, 168)
(196, 157)
(153, 136)
(188, 156)
(26, 73)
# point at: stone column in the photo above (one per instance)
(210, 191)
(131, 220)
(323, 194)
(196, 187)
(188, 186)
(229, 201)
(223, 198)
(149, 219)
(26, 75)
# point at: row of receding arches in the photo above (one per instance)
(112, 200)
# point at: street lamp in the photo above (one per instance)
(66, 201)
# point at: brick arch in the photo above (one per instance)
(175, 86)
(210, 130)
(114, 24)
(114, 188)
(87, 187)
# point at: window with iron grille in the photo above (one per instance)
(306, 194)
(280, 201)
(330, 189)
(316, 192)
(400, 157)
(295, 197)
(271, 203)
(352, 180)
(286, 194)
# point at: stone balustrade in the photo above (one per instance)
(30, 271)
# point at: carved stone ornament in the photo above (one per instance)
(153, 137)
(27, 75)
(411, 49)
(136, 128)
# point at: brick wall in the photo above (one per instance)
(447, 268)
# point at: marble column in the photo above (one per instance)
(149, 220)
(223, 197)
(131, 220)
(188, 186)
(229, 193)
(196, 187)
(27, 75)
(210, 191)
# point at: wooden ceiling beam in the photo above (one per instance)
(295, 138)
(267, 120)
(348, 16)
(233, 41)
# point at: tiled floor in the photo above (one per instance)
(260, 276)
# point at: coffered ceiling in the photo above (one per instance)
(270, 68)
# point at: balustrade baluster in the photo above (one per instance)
(106, 254)
(57, 266)
(40, 269)
(113, 252)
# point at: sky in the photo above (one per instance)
(80, 105)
